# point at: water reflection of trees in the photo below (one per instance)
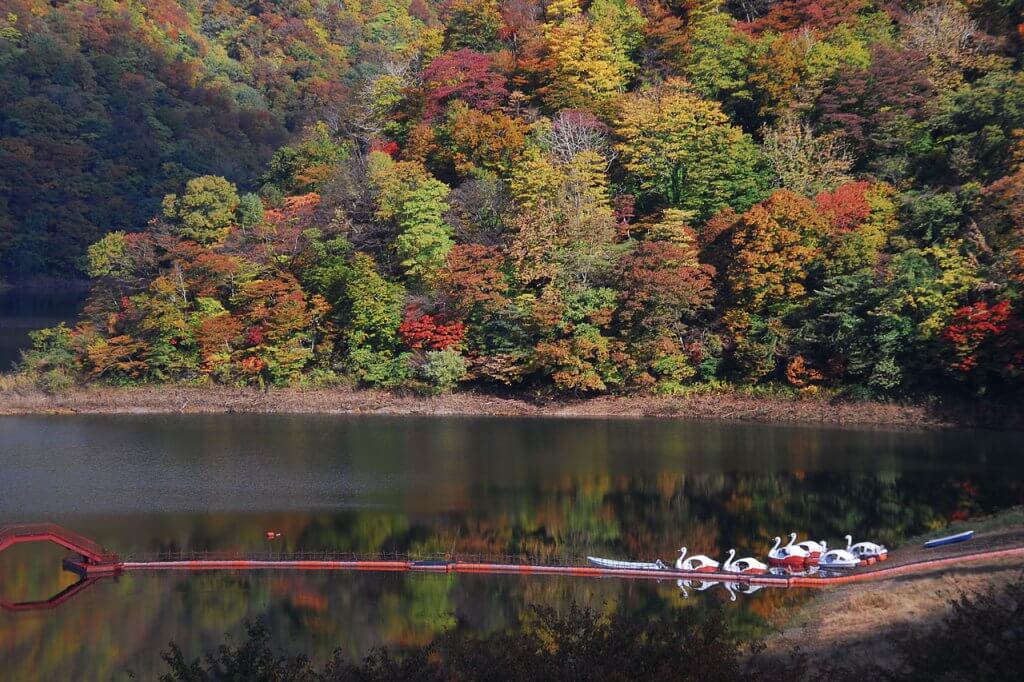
(648, 516)
(120, 624)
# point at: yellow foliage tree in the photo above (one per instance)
(585, 69)
(774, 244)
(681, 149)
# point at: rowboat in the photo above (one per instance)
(657, 565)
(949, 539)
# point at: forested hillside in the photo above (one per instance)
(107, 106)
(594, 196)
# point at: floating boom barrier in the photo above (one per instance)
(94, 562)
(767, 580)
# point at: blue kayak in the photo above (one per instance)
(949, 539)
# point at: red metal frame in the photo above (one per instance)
(91, 552)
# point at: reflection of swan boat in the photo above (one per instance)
(686, 585)
(698, 562)
(615, 564)
(731, 589)
(741, 588)
(734, 588)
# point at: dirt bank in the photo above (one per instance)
(855, 623)
(736, 405)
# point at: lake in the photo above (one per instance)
(547, 489)
(23, 311)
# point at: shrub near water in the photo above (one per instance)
(579, 645)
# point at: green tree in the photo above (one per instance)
(624, 24)
(473, 24)
(415, 201)
(681, 150)
(717, 61)
(443, 369)
(304, 165)
(205, 213)
(372, 309)
(584, 68)
(109, 257)
(975, 128)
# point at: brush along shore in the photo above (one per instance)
(735, 405)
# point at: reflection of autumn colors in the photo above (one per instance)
(123, 622)
(543, 490)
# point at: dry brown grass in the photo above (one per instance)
(858, 622)
(855, 623)
(14, 383)
(19, 397)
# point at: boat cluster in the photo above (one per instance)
(794, 556)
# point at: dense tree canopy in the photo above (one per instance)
(595, 196)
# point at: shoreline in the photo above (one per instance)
(862, 622)
(735, 406)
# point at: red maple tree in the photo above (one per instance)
(466, 75)
(422, 331)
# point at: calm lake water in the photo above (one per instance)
(544, 488)
(23, 311)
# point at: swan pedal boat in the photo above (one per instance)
(838, 558)
(789, 555)
(868, 552)
(748, 565)
(614, 564)
(814, 550)
(698, 563)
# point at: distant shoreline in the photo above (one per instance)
(722, 406)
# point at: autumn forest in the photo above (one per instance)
(569, 196)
